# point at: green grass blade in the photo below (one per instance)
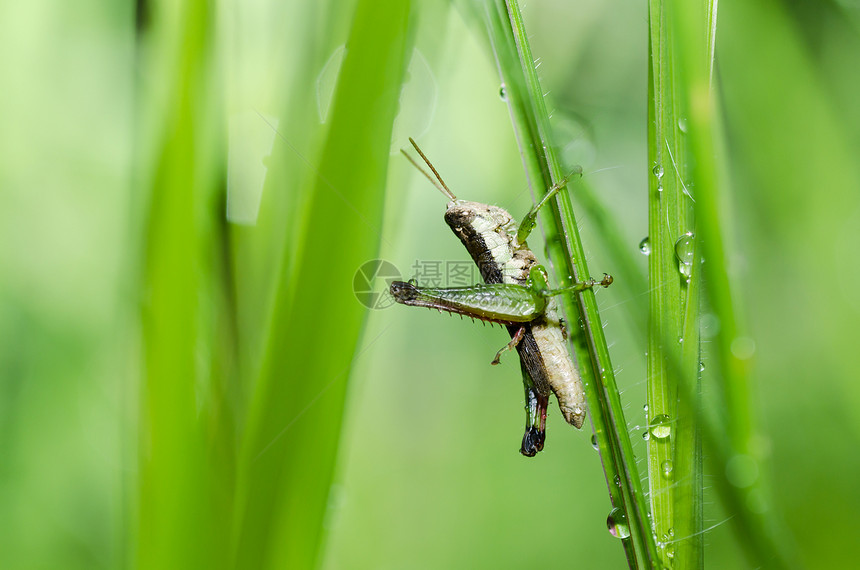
(790, 115)
(682, 45)
(685, 546)
(630, 278)
(177, 526)
(763, 538)
(294, 422)
(669, 218)
(531, 122)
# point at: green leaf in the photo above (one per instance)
(290, 447)
(178, 511)
(531, 123)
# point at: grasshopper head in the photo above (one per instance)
(474, 218)
(488, 233)
(475, 221)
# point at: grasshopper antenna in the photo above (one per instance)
(440, 185)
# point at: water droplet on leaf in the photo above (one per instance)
(684, 254)
(616, 522)
(660, 426)
(645, 246)
(667, 468)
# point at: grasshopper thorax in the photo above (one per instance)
(489, 234)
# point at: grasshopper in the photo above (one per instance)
(515, 294)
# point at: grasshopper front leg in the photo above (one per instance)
(530, 219)
(515, 341)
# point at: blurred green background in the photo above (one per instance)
(426, 472)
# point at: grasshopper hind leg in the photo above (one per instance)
(536, 405)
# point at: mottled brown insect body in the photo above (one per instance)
(489, 235)
(497, 245)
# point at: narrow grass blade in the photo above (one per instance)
(670, 222)
(177, 526)
(290, 447)
(682, 120)
(531, 122)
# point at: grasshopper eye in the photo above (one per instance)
(413, 281)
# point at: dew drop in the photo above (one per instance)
(684, 248)
(684, 254)
(658, 171)
(646, 436)
(670, 552)
(645, 408)
(594, 441)
(682, 124)
(645, 246)
(667, 469)
(660, 426)
(701, 366)
(503, 94)
(616, 522)
(660, 187)
(617, 480)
